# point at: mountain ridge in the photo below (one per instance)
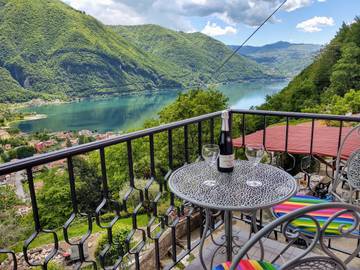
(195, 52)
(282, 57)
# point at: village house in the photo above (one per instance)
(4, 135)
(85, 132)
(63, 135)
(74, 141)
(40, 146)
(7, 147)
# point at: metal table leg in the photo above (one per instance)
(255, 229)
(203, 238)
(228, 234)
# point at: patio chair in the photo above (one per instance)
(349, 171)
(328, 221)
(352, 178)
(310, 166)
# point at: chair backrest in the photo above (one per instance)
(284, 161)
(332, 227)
(350, 169)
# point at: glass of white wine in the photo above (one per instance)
(254, 153)
(210, 153)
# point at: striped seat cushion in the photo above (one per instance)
(247, 265)
(307, 225)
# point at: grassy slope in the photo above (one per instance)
(49, 47)
(76, 230)
(334, 72)
(195, 53)
(283, 58)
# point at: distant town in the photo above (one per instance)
(16, 145)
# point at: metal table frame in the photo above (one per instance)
(187, 190)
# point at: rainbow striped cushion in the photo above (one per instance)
(247, 265)
(307, 225)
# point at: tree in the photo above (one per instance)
(24, 151)
(54, 198)
(8, 197)
(68, 143)
(190, 104)
(346, 72)
(117, 249)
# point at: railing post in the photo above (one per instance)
(186, 144)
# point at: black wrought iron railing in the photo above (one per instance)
(179, 218)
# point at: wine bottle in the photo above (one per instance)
(226, 157)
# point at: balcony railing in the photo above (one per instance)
(179, 219)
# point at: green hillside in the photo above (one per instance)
(283, 58)
(197, 54)
(48, 47)
(332, 75)
(48, 50)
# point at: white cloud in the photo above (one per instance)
(177, 14)
(213, 30)
(108, 11)
(292, 5)
(315, 24)
(321, 0)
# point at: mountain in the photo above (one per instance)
(195, 53)
(283, 58)
(47, 47)
(332, 74)
(48, 50)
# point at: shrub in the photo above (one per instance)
(119, 246)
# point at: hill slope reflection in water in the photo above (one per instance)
(131, 111)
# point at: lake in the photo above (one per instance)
(131, 111)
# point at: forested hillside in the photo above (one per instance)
(195, 53)
(282, 58)
(48, 47)
(48, 50)
(335, 73)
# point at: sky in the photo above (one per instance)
(231, 21)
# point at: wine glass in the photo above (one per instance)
(254, 153)
(210, 153)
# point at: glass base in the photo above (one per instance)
(254, 183)
(210, 183)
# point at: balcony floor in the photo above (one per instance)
(272, 248)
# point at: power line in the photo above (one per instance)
(214, 73)
(249, 37)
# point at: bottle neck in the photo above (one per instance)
(225, 124)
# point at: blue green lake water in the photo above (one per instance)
(131, 111)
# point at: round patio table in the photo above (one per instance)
(231, 192)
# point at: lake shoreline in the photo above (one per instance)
(41, 102)
(26, 118)
(130, 111)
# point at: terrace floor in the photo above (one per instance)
(272, 248)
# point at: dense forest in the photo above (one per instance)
(331, 83)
